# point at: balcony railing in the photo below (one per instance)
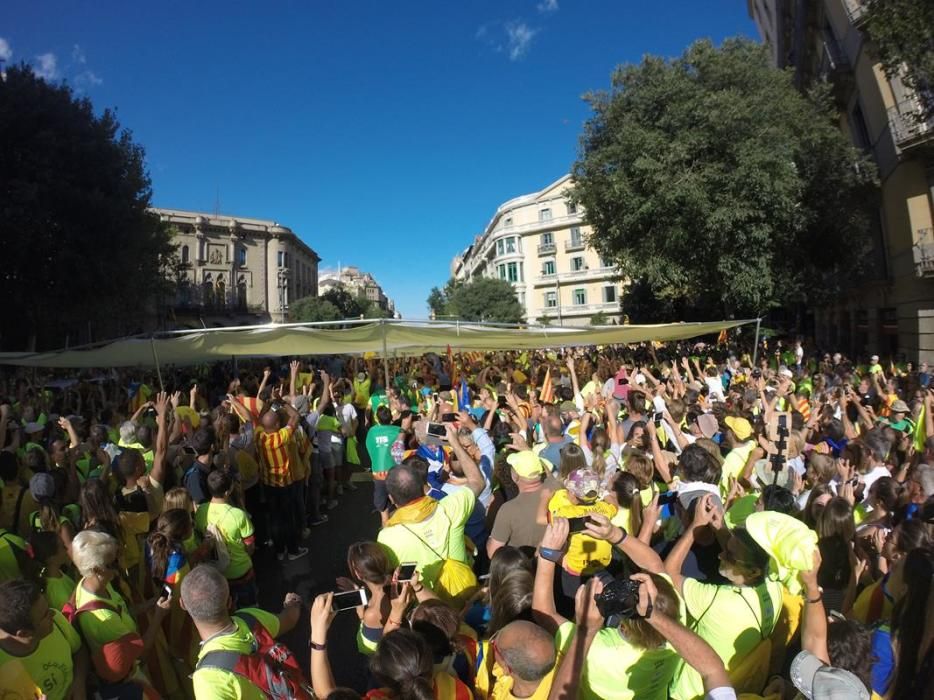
(923, 252)
(586, 273)
(856, 11)
(572, 245)
(547, 249)
(833, 61)
(909, 128)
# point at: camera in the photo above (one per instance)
(619, 600)
(757, 373)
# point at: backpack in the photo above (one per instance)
(271, 666)
(453, 581)
(71, 610)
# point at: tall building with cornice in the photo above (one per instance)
(237, 270)
(539, 244)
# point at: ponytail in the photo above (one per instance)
(48, 515)
(418, 688)
(171, 528)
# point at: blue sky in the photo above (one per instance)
(384, 134)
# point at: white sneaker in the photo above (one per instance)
(306, 533)
(302, 551)
(332, 504)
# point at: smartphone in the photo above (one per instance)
(437, 430)
(484, 578)
(623, 381)
(448, 417)
(189, 450)
(166, 591)
(407, 570)
(577, 525)
(348, 600)
(667, 498)
(658, 417)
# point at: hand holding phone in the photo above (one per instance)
(406, 571)
(348, 600)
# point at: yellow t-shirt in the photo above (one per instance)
(98, 627)
(502, 689)
(733, 620)
(59, 590)
(49, 668)
(235, 527)
(133, 526)
(616, 669)
(219, 684)
(585, 554)
(733, 465)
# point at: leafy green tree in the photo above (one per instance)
(902, 32)
(599, 319)
(481, 299)
(80, 249)
(313, 309)
(718, 189)
(346, 303)
(544, 320)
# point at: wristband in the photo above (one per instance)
(552, 555)
(621, 539)
(317, 647)
(397, 623)
(818, 599)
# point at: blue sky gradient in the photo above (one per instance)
(384, 134)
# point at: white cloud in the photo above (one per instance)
(548, 6)
(6, 53)
(86, 79)
(77, 55)
(47, 66)
(519, 39)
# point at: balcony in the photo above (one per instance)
(584, 274)
(572, 245)
(547, 249)
(856, 11)
(909, 128)
(923, 252)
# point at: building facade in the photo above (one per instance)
(892, 312)
(539, 243)
(237, 271)
(360, 284)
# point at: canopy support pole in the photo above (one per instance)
(155, 359)
(382, 325)
(755, 347)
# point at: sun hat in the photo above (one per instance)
(789, 543)
(526, 464)
(707, 422)
(900, 406)
(818, 681)
(766, 475)
(42, 485)
(584, 484)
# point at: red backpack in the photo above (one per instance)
(270, 666)
(71, 610)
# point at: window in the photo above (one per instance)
(241, 256)
(609, 295)
(507, 222)
(605, 263)
(572, 208)
(548, 238)
(577, 263)
(548, 268)
(576, 238)
(512, 272)
(580, 297)
(501, 271)
(500, 247)
(185, 255)
(551, 300)
(544, 215)
(859, 129)
(510, 245)
(281, 258)
(286, 259)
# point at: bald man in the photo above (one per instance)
(525, 659)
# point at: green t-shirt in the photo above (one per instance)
(99, 627)
(731, 619)
(379, 441)
(218, 684)
(443, 530)
(9, 564)
(49, 668)
(235, 527)
(614, 668)
(376, 400)
(59, 590)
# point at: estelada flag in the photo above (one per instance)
(722, 339)
(547, 394)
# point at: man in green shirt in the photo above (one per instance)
(379, 441)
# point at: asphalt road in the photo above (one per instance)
(351, 521)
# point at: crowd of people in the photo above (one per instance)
(642, 522)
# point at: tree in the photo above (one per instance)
(544, 320)
(718, 189)
(80, 249)
(346, 303)
(481, 299)
(902, 32)
(313, 309)
(599, 319)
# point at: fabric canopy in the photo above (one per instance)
(381, 337)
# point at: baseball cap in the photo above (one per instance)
(584, 484)
(818, 681)
(874, 359)
(739, 426)
(690, 492)
(526, 463)
(42, 485)
(766, 475)
(567, 407)
(33, 427)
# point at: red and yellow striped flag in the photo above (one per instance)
(804, 408)
(547, 394)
